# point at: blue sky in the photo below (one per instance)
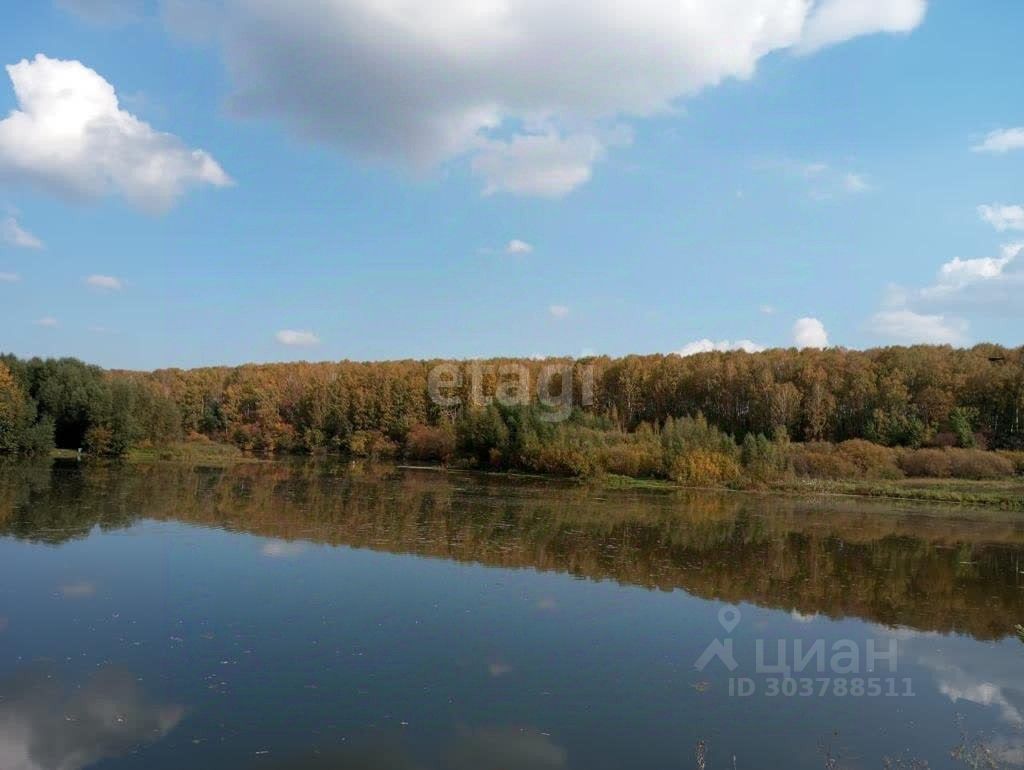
(847, 173)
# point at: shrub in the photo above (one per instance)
(703, 467)
(978, 464)
(631, 459)
(871, 460)
(682, 436)
(372, 443)
(926, 463)
(426, 442)
(821, 461)
(560, 460)
(1017, 458)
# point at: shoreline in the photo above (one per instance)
(1007, 494)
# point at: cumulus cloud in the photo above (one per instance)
(297, 338)
(1001, 141)
(1003, 218)
(834, 21)
(994, 284)
(809, 333)
(935, 312)
(907, 326)
(106, 282)
(517, 246)
(558, 312)
(708, 346)
(105, 11)
(70, 136)
(959, 273)
(16, 235)
(528, 88)
(545, 165)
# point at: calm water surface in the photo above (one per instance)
(336, 616)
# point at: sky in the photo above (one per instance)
(188, 183)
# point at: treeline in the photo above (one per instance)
(72, 405)
(896, 397)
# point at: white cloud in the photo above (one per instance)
(811, 170)
(9, 277)
(822, 181)
(558, 312)
(990, 282)
(908, 326)
(959, 272)
(767, 309)
(525, 86)
(70, 136)
(299, 339)
(1001, 141)
(546, 165)
(855, 183)
(105, 11)
(516, 246)
(934, 314)
(106, 282)
(47, 321)
(1003, 218)
(13, 233)
(833, 21)
(708, 346)
(810, 333)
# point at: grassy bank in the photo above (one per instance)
(1007, 495)
(206, 453)
(1004, 495)
(192, 453)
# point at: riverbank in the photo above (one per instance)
(1005, 494)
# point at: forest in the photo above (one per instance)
(713, 417)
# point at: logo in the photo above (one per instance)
(806, 667)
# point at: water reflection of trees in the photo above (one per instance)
(840, 558)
